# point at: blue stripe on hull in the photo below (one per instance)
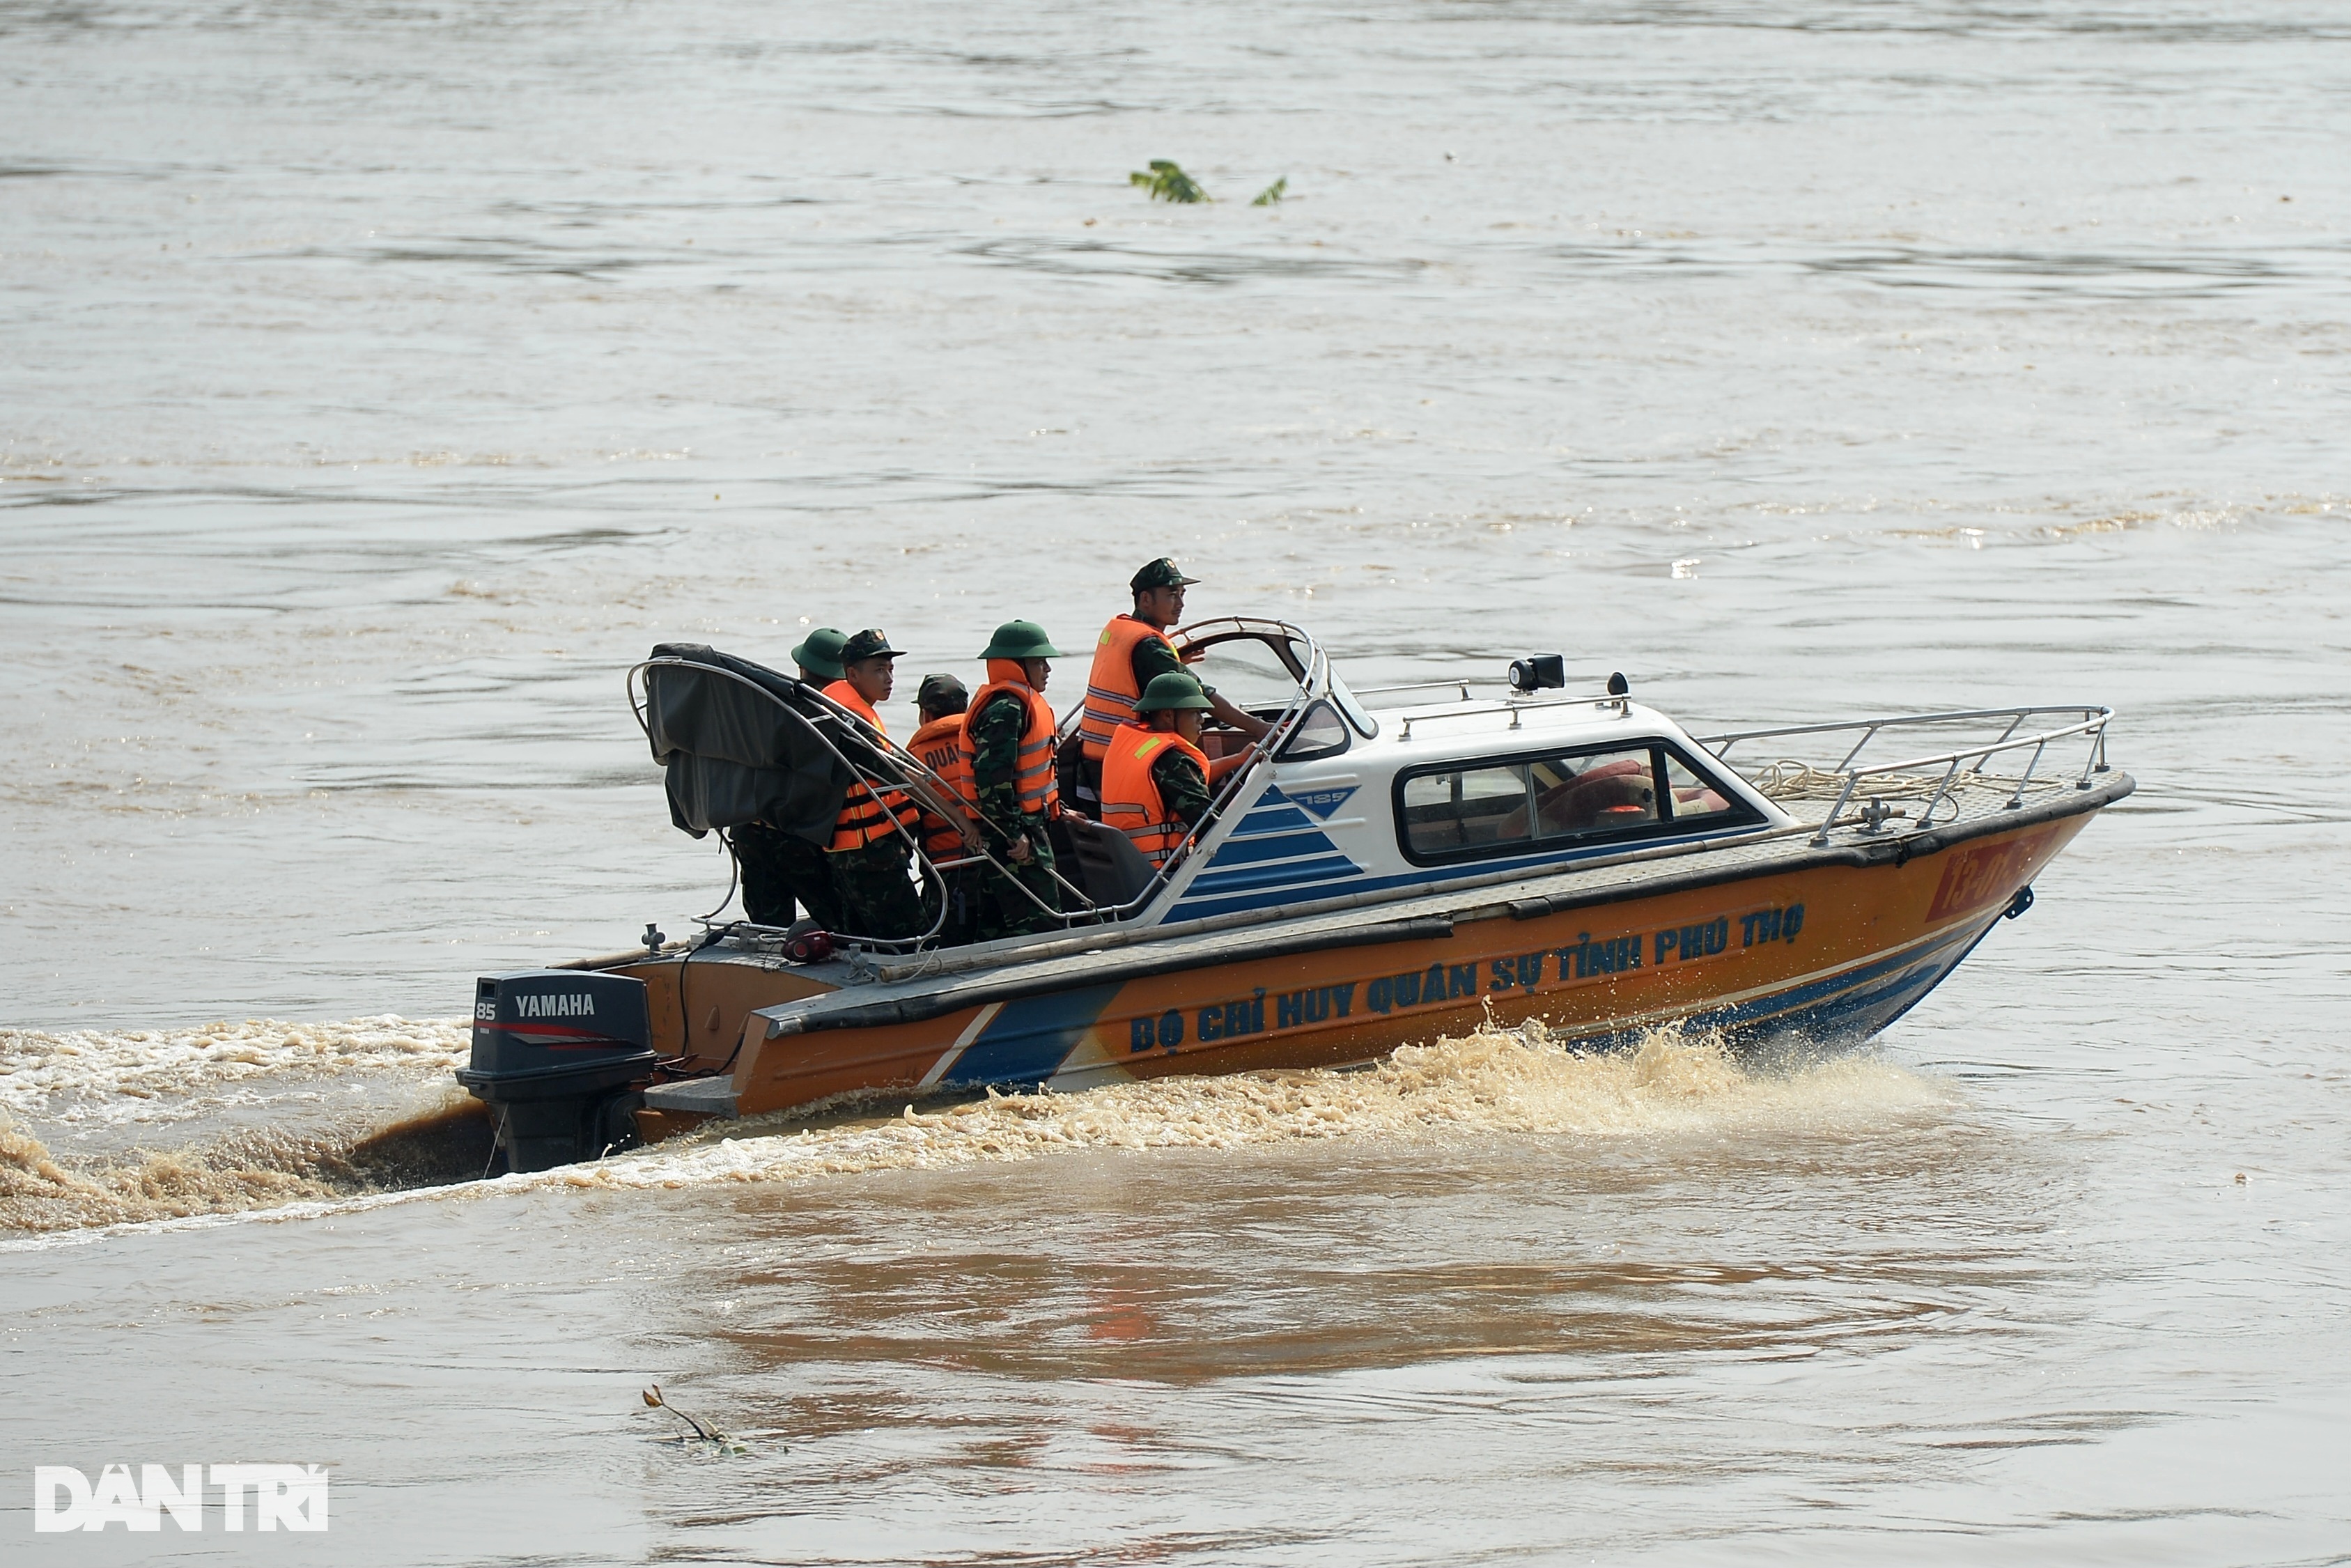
(1844, 1009)
(1289, 875)
(1030, 1038)
(1207, 895)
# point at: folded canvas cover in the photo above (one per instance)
(739, 743)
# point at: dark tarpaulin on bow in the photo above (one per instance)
(733, 755)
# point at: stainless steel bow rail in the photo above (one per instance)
(1852, 775)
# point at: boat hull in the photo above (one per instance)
(1826, 948)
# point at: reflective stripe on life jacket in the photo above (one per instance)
(1130, 795)
(1032, 768)
(938, 746)
(866, 817)
(1111, 689)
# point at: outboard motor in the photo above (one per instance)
(554, 1053)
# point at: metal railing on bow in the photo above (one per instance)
(1961, 767)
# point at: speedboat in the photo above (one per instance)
(1386, 866)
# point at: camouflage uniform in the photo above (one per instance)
(779, 868)
(1002, 910)
(1183, 788)
(879, 899)
(1154, 657)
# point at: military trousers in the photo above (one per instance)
(779, 870)
(1004, 905)
(878, 898)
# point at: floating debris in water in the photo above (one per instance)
(1167, 182)
(703, 1429)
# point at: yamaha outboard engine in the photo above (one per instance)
(554, 1053)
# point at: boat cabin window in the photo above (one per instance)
(1321, 733)
(1536, 803)
(1692, 796)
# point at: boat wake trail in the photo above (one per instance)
(92, 1076)
(1513, 1081)
(100, 1128)
(115, 1129)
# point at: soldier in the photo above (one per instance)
(781, 872)
(1132, 652)
(869, 858)
(937, 746)
(819, 656)
(780, 869)
(1154, 785)
(1007, 749)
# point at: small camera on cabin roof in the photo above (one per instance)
(1538, 672)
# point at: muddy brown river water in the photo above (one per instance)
(378, 381)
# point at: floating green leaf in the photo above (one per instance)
(1166, 182)
(1272, 195)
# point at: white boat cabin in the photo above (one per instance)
(1396, 790)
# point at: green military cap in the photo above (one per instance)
(1160, 573)
(1020, 640)
(1173, 690)
(819, 652)
(942, 695)
(870, 644)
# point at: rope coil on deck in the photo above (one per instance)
(1788, 779)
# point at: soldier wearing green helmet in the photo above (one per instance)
(782, 872)
(1008, 751)
(819, 656)
(1154, 785)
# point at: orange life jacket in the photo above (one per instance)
(938, 745)
(865, 817)
(1032, 774)
(1111, 689)
(1130, 795)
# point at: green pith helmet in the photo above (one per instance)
(819, 652)
(1020, 640)
(1173, 690)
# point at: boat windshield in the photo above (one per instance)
(1353, 707)
(1250, 669)
(1265, 666)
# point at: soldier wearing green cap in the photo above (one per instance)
(869, 858)
(1132, 652)
(1008, 757)
(781, 872)
(1155, 785)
